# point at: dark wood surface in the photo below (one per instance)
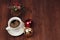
(45, 15)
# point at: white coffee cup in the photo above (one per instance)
(19, 30)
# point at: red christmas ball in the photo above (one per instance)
(28, 23)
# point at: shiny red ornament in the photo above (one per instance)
(28, 23)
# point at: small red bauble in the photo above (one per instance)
(28, 23)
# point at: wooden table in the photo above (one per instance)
(45, 15)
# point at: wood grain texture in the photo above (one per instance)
(45, 15)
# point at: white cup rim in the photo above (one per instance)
(15, 18)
